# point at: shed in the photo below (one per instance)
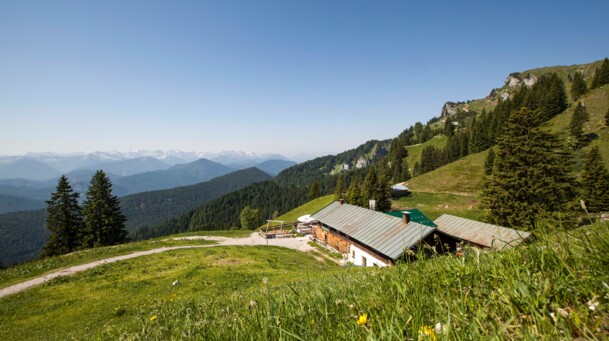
(478, 233)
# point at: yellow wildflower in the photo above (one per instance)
(153, 318)
(426, 333)
(363, 319)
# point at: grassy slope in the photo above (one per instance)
(414, 151)
(35, 268)
(434, 205)
(307, 208)
(118, 295)
(540, 291)
(460, 177)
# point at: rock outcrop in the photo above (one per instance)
(449, 108)
(517, 79)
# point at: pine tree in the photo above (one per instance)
(103, 219)
(370, 184)
(576, 127)
(489, 162)
(64, 220)
(338, 190)
(314, 190)
(383, 194)
(405, 174)
(530, 177)
(354, 195)
(578, 87)
(601, 76)
(595, 182)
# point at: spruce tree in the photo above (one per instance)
(530, 177)
(489, 162)
(370, 185)
(576, 127)
(595, 182)
(354, 194)
(64, 220)
(103, 219)
(578, 86)
(314, 190)
(338, 190)
(383, 194)
(601, 76)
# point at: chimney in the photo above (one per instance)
(406, 217)
(342, 201)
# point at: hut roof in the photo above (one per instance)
(381, 232)
(488, 235)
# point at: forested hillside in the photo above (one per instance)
(268, 197)
(152, 208)
(22, 235)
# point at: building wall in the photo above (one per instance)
(332, 239)
(358, 254)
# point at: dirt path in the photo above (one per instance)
(299, 244)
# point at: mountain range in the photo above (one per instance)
(45, 166)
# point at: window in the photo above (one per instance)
(353, 254)
(364, 262)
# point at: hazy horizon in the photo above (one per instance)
(290, 78)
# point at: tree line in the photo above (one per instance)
(98, 222)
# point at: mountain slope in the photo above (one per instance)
(26, 168)
(273, 167)
(152, 208)
(22, 235)
(130, 166)
(178, 175)
(14, 204)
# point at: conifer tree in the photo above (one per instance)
(354, 194)
(338, 190)
(405, 175)
(64, 220)
(607, 118)
(314, 190)
(383, 194)
(370, 184)
(489, 162)
(578, 86)
(530, 176)
(601, 76)
(576, 127)
(104, 222)
(595, 182)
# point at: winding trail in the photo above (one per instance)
(300, 244)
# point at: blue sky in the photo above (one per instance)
(286, 77)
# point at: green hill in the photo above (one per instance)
(414, 151)
(155, 207)
(307, 208)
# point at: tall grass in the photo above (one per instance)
(554, 288)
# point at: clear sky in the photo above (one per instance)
(285, 77)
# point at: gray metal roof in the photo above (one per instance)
(480, 233)
(386, 234)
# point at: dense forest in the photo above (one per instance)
(155, 207)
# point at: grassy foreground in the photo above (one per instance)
(554, 288)
(38, 267)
